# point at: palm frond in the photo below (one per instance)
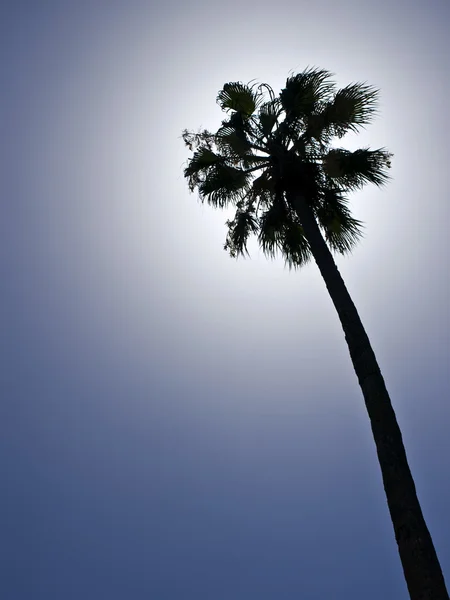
(260, 162)
(352, 170)
(306, 92)
(239, 97)
(232, 142)
(268, 116)
(295, 247)
(198, 164)
(195, 140)
(271, 225)
(280, 232)
(239, 230)
(245, 128)
(264, 184)
(223, 184)
(262, 191)
(317, 128)
(351, 108)
(342, 231)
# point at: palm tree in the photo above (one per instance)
(273, 159)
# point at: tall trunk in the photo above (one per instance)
(421, 566)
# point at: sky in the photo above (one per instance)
(176, 424)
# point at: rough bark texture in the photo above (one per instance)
(421, 566)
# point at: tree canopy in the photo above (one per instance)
(269, 146)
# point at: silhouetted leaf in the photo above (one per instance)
(268, 116)
(352, 107)
(305, 92)
(223, 185)
(239, 97)
(239, 230)
(351, 170)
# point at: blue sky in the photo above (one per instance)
(176, 424)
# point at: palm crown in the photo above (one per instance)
(270, 146)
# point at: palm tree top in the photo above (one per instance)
(270, 147)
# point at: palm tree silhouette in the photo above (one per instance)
(273, 159)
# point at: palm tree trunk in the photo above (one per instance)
(421, 566)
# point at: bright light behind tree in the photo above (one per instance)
(157, 384)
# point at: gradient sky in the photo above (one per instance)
(176, 425)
